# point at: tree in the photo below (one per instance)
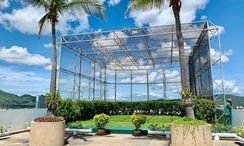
(176, 7)
(55, 8)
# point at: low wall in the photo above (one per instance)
(237, 117)
(17, 119)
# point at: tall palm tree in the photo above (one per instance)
(176, 7)
(54, 9)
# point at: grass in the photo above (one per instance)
(125, 121)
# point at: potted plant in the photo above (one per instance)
(138, 121)
(187, 99)
(101, 121)
(49, 130)
(191, 132)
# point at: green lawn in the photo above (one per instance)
(125, 120)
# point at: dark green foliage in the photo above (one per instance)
(69, 110)
(204, 109)
(84, 110)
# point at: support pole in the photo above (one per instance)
(147, 87)
(80, 76)
(131, 86)
(94, 81)
(105, 83)
(115, 88)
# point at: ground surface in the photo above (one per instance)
(125, 120)
(109, 140)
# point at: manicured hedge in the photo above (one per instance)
(83, 110)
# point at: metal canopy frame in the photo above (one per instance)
(136, 48)
(133, 50)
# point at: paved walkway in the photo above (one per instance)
(109, 140)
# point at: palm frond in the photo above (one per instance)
(39, 3)
(144, 5)
(90, 7)
(42, 22)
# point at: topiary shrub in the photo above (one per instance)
(101, 120)
(138, 120)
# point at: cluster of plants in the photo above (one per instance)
(219, 128)
(189, 121)
(158, 126)
(84, 110)
(4, 128)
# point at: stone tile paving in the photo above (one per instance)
(22, 139)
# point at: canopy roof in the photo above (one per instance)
(137, 48)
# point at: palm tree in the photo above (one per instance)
(53, 9)
(176, 7)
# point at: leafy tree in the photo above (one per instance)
(54, 9)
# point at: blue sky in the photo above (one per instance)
(25, 58)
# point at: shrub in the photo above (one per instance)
(205, 110)
(52, 103)
(68, 109)
(189, 121)
(138, 120)
(77, 124)
(101, 120)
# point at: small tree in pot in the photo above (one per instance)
(101, 121)
(187, 99)
(138, 121)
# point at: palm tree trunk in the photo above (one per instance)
(54, 67)
(183, 65)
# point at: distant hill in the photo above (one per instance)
(8, 100)
(236, 100)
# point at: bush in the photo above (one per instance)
(189, 121)
(101, 120)
(84, 110)
(68, 109)
(204, 110)
(138, 120)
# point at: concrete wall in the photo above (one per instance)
(237, 117)
(18, 118)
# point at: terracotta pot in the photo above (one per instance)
(101, 131)
(189, 135)
(47, 133)
(137, 132)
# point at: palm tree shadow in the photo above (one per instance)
(78, 136)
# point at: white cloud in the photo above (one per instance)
(49, 45)
(4, 4)
(231, 87)
(113, 2)
(15, 21)
(22, 82)
(20, 55)
(215, 55)
(155, 17)
(204, 17)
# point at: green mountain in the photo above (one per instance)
(8, 100)
(236, 100)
